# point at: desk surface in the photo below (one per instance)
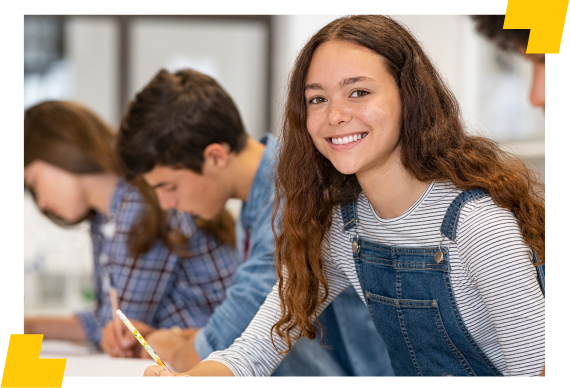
(83, 361)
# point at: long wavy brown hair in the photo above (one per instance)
(73, 138)
(434, 146)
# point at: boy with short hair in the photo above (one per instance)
(183, 134)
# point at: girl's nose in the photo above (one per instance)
(338, 114)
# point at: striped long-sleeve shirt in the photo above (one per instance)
(493, 280)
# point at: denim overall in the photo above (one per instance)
(411, 301)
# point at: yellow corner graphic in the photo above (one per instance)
(24, 368)
(545, 19)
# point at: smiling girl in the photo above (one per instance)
(168, 269)
(382, 188)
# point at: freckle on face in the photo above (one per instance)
(378, 113)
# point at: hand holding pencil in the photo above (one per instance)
(115, 307)
(142, 341)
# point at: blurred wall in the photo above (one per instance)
(233, 52)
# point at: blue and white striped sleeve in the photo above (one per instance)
(253, 354)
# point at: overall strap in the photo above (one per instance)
(349, 216)
(540, 273)
(449, 224)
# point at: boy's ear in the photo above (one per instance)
(216, 156)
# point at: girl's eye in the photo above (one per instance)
(359, 93)
(171, 189)
(317, 100)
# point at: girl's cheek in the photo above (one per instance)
(314, 122)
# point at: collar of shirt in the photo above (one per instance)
(120, 191)
(262, 187)
(259, 198)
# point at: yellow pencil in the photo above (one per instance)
(140, 338)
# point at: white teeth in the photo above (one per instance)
(347, 139)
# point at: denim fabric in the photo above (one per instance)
(355, 346)
(411, 301)
(256, 276)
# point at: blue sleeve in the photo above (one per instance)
(91, 326)
(253, 282)
(90, 321)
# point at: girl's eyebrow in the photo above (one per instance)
(345, 82)
(314, 86)
(352, 80)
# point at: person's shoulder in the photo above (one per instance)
(485, 212)
(127, 203)
(486, 229)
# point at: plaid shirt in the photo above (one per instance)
(159, 288)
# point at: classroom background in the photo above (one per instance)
(102, 61)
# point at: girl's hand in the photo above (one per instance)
(174, 346)
(205, 368)
(157, 370)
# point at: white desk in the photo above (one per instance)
(83, 361)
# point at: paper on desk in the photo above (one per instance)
(104, 365)
(57, 347)
(82, 360)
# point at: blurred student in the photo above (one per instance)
(184, 135)
(382, 188)
(515, 40)
(167, 269)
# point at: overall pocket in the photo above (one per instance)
(416, 337)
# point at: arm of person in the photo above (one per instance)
(140, 288)
(206, 368)
(253, 354)
(127, 345)
(252, 283)
(499, 264)
(62, 328)
(174, 346)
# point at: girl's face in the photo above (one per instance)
(57, 191)
(353, 108)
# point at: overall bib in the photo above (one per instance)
(411, 301)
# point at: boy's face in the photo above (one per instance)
(202, 195)
(537, 88)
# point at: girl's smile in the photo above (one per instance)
(353, 108)
(346, 140)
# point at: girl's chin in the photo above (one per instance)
(344, 169)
